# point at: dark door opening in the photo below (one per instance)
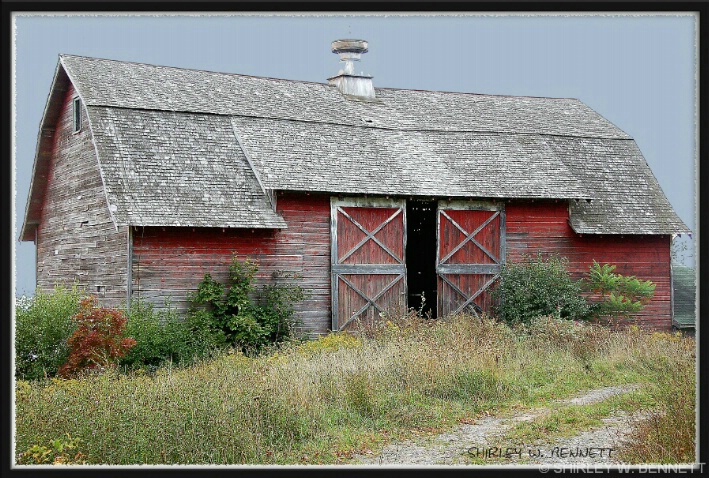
(421, 256)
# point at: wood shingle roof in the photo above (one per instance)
(199, 148)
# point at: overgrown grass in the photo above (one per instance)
(323, 401)
(668, 436)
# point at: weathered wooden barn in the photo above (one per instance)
(146, 177)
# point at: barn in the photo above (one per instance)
(146, 177)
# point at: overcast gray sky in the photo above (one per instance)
(638, 71)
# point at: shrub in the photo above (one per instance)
(537, 287)
(165, 336)
(98, 339)
(43, 324)
(244, 320)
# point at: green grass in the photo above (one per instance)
(569, 420)
(324, 401)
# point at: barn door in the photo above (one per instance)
(470, 252)
(367, 258)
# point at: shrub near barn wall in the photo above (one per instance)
(537, 287)
(43, 324)
(97, 342)
(543, 227)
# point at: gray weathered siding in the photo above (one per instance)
(77, 240)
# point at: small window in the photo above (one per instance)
(77, 114)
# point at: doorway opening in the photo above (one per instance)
(421, 256)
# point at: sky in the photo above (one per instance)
(638, 71)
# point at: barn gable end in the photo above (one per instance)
(76, 237)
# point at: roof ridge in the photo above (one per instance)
(153, 65)
(380, 88)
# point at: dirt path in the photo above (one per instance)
(479, 442)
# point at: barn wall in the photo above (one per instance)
(76, 239)
(542, 226)
(168, 263)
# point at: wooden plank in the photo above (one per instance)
(366, 268)
(452, 269)
(76, 238)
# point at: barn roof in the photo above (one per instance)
(177, 169)
(184, 139)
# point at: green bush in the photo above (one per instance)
(164, 335)
(537, 287)
(247, 318)
(43, 324)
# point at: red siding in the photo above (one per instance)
(542, 226)
(168, 263)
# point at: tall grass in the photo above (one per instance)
(322, 401)
(668, 435)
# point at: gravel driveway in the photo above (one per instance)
(479, 441)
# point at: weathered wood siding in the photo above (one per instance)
(76, 239)
(542, 226)
(168, 263)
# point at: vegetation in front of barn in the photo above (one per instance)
(539, 285)
(325, 400)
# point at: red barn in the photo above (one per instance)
(146, 177)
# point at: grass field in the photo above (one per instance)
(322, 401)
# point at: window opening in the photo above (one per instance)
(77, 114)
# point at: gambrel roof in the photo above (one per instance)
(198, 148)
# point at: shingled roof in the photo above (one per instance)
(173, 142)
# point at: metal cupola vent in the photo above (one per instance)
(347, 81)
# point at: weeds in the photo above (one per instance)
(668, 435)
(61, 451)
(326, 400)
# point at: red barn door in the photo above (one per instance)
(471, 249)
(367, 259)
